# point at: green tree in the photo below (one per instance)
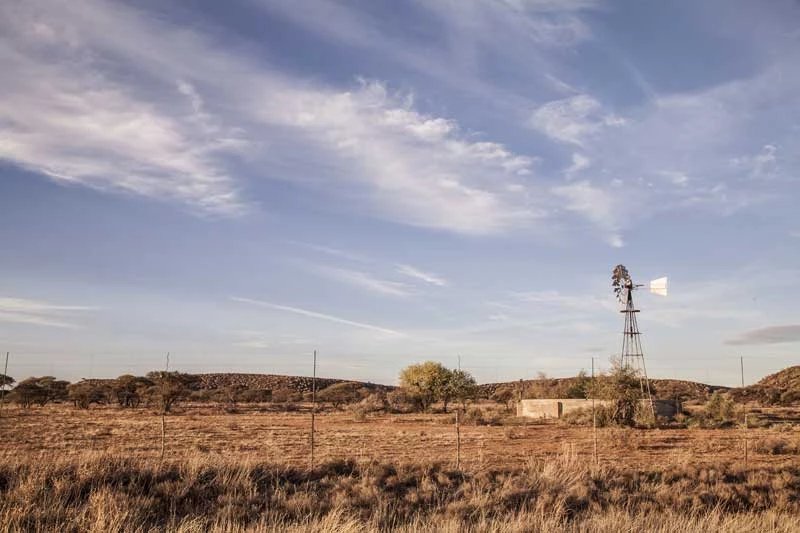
(460, 386)
(720, 408)
(424, 382)
(622, 385)
(39, 391)
(579, 386)
(506, 395)
(169, 388)
(129, 389)
(85, 393)
(230, 395)
(5, 381)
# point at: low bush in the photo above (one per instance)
(776, 446)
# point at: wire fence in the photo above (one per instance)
(282, 433)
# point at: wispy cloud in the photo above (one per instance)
(260, 340)
(579, 163)
(39, 313)
(315, 314)
(767, 335)
(427, 277)
(596, 204)
(85, 123)
(68, 117)
(413, 168)
(111, 97)
(336, 252)
(573, 119)
(364, 281)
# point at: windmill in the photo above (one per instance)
(632, 354)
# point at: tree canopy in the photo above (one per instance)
(430, 381)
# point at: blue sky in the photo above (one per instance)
(241, 183)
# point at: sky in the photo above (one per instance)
(241, 183)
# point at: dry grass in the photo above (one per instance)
(98, 470)
(283, 437)
(98, 493)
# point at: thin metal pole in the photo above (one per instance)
(458, 441)
(5, 378)
(741, 367)
(594, 414)
(313, 405)
(164, 410)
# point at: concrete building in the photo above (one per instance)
(558, 407)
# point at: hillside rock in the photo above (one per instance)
(663, 389)
(781, 388)
(271, 382)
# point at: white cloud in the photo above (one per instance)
(316, 315)
(579, 163)
(573, 119)
(158, 130)
(427, 277)
(364, 281)
(595, 204)
(552, 5)
(336, 252)
(66, 116)
(35, 312)
(411, 167)
(763, 165)
(678, 179)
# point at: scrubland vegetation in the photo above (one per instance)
(85, 457)
(98, 493)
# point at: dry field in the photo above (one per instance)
(63, 469)
(284, 438)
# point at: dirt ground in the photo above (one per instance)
(266, 435)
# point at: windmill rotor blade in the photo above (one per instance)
(660, 286)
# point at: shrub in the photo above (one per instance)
(603, 415)
(375, 402)
(39, 391)
(286, 395)
(85, 393)
(168, 389)
(719, 409)
(479, 417)
(776, 446)
(129, 390)
(400, 401)
(340, 393)
(255, 396)
(505, 395)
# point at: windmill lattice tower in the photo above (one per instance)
(632, 356)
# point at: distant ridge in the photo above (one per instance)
(273, 382)
(780, 388)
(667, 389)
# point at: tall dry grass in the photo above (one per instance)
(102, 493)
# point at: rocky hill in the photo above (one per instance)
(270, 382)
(560, 388)
(781, 388)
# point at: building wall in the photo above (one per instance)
(558, 407)
(539, 408)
